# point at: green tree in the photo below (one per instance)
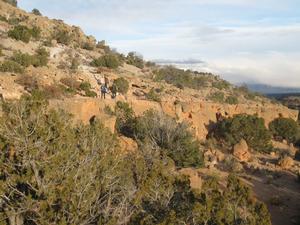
(182, 78)
(11, 66)
(248, 127)
(173, 138)
(134, 59)
(122, 85)
(68, 175)
(38, 60)
(109, 61)
(20, 32)
(36, 12)
(125, 123)
(285, 128)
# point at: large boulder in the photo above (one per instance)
(286, 162)
(292, 150)
(127, 144)
(241, 151)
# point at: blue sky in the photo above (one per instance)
(241, 40)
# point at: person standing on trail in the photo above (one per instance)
(113, 91)
(103, 91)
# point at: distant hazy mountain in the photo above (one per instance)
(267, 89)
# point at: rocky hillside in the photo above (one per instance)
(48, 58)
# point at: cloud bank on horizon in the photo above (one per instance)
(242, 40)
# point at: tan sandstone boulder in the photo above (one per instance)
(194, 177)
(241, 151)
(286, 162)
(127, 144)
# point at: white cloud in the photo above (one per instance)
(243, 40)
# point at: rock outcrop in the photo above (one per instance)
(195, 178)
(241, 151)
(203, 114)
(286, 162)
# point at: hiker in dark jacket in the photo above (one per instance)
(113, 91)
(103, 91)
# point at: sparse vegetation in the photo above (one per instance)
(86, 87)
(22, 59)
(122, 85)
(37, 60)
(75, 64)
(249, 95)
(28, 82)
(3, 18)
(134, 59)
(11, 66)
(14, 21)
(102, 45)
(110, 61)
(74, 86)
(173, 138)
(62, 36)
(232, 100)
(285, 128)
(41, 58)
(108, 110)
(24, 33)
(217, 97)
(88, 46)
(153, 95)
(183, 78)
(20, 33)
(35, 32)
(248, 127)
(53, 91)
(221, 85)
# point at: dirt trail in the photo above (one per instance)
(281, 192)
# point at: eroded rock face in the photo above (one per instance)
(286, 162)
(241, 151)
(200, 117)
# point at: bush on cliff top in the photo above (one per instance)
(179, 77)
(110, 61)
(174, 139)
(285, 128)
(248, 127)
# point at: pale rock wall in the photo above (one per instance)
(199, 114)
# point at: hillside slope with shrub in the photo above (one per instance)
(152, 152)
